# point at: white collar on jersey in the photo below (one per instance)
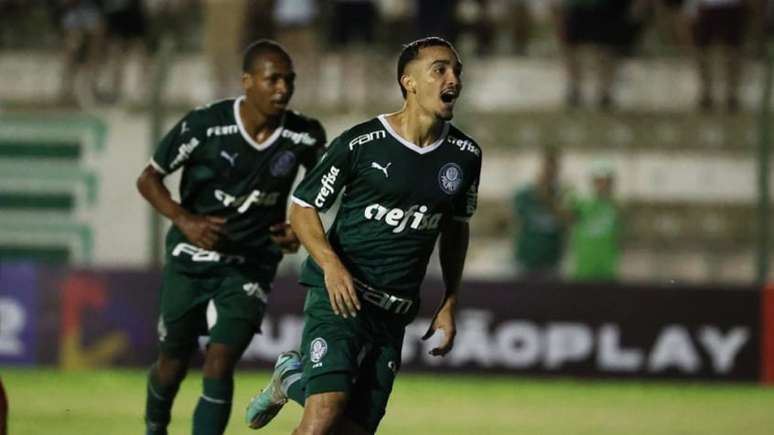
(414, 147)
(259, 146)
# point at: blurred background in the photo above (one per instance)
(626, 176)
(660, 101)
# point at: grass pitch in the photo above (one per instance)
(110, 402)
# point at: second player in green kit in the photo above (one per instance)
(239, 158)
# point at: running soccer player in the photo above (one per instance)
(239, 158)
(407, 177)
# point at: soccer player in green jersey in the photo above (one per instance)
(239, 158)
(406, 177)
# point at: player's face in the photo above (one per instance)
(437, 77)
(603, 186)
(269, 86)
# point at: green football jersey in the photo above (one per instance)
(396, 196)
(227, 173)
(594, 241)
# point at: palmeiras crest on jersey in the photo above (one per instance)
(317, 349)
(450, 178)
(282, 164)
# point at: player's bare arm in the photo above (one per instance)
(452, 251)
(338, 281)
(283, 235)
(202, 231)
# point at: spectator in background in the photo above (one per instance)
(521, 19)
(84, 32)
(223, 26)
(475, 18)
(258, 21)
(541, 222)
(594, 239)
(127, 32)
(605, 26)
(169, 20)
(352, 28)
(295, 24)
(436, 18)
(677, 25)
(722, 23)
(10, 11)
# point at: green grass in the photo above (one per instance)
(111, 402)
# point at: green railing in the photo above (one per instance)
(44, 183)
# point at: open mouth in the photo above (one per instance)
(449, 95)
(280, 101)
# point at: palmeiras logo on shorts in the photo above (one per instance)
(450, 178)
(318, 349)
(282, 164)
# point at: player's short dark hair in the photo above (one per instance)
(411, 52)
(259, 48)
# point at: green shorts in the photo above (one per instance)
(357, 355)
(239, 295)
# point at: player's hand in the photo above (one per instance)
(341, 290)
(443, 320)
(202, 231)
(284, 236)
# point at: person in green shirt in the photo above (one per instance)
(541, 222)
(408, 180)
(238, 159)
(594, 239)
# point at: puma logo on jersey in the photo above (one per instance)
(414, 217)
(222, 130)
(184, 128)
(231, 159)
(368, 137)
(375, 165)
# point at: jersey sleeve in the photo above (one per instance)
(313, 153)
(179, 145)
(324, 182)
(465, 204)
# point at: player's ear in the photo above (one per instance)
(408, 83)
(247, 81)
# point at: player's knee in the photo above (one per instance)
(171, 370)
(322, 413)
(219, 361)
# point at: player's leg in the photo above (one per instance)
(323, 412)
(333, 348)
(239, 302)
(321, 327)
(349, 427)
(3, 410)
(703, 35)
(214, 406)
(164, 378)
(285, 383)
(371, 392)
(181, 321)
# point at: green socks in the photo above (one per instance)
(214, 407)
(158, 404)
(295, 391)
